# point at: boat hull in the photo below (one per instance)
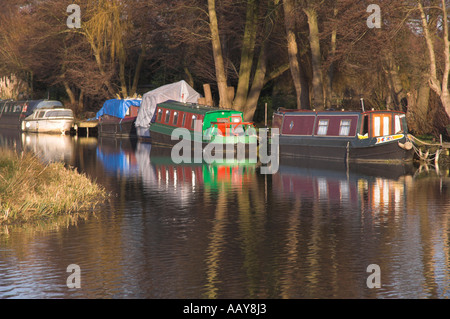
(117, 127)
(13, 120)
(352, 150)
(47, 126)
(198, 147)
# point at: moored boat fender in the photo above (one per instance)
(406, 146)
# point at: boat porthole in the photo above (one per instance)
(291, 125)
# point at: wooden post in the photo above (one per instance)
(208, 95)
(265, 114)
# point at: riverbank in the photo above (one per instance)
(31, 190)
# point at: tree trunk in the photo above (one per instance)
(445, 97)
(123, 82)
(247, 53)
(81, 102)
(218, 56)
(330, 72)
(70, 94)
(137, 72)
(316, 58)
(418, 107)
(305, 100)
(394, 82)
(189, 77)
(289, 21)
(257, 85)
(107, 83)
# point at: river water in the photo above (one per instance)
(311, 230)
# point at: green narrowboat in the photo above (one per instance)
(202, 126)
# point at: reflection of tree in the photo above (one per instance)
(292, 247)
(215, 246)
(428, 193)
(252, 218)
(245, 203)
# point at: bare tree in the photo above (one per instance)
(438, 84)
(289, 21)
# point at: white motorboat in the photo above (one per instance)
(49, 120)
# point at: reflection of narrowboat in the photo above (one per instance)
(12, 113)
(117, 117)
(206, 126)
(49, 120)
(229, 173)
(374, 185)
(117, 156)
(350, 136)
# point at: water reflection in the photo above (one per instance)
(48, 147)
(227, 231)
(117, 156)
(372, 187)
(343, 219)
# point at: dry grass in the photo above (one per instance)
(31, 190)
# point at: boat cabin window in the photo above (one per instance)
(323, 127)
(365, 128)
(183, 121)
(236, 118)
(344, 129)
(175, 118)
(60, 113)
(167, 117)
(376, 126)
(193, 122)
(386, 125)
(397, 125)
(381, 124)
(159, 116)
(40, 114)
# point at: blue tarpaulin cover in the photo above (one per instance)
(118, 108)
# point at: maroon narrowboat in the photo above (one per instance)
(370, 136)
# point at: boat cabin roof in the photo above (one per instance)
(334, 112)
(51, 112)
(374, 123)
(193, 108)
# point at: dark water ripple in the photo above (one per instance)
(202, 231)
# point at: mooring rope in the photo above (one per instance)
(422, 142)
(427, 156)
